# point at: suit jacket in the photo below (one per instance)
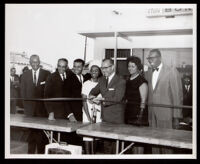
(168, 90)
(14, 87)
(111, 112)
(29, 90)
(187, 100)
(73, 88)
(55, 88)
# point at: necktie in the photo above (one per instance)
(35, 82)
(63, 77)
(155, 69)
(80, 79)
(106, 82)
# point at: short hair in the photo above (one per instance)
(25, 68)
(156, 51)
(110, 60)
(63, 59)
(79, 61)
(34, 55)
(12, 68)
(136, 60)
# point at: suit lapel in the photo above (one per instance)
(112, 81)
(159, 77)
(39, 77)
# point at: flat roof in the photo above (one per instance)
(138, 33)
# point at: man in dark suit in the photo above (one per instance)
(112, 88)
(164, 88)
(32, 86)
(73, 87)
(14, 89)
(55, 88)
(187, 98)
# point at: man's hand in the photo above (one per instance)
(90, 98)
(98, 100)
(72, 118)
(51, 116)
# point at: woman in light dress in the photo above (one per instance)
(88, 114)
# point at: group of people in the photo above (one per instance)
(103, 89)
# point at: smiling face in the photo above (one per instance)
(35, 62)
(95, 72)
(62, 66)
(154, 59)
(78, 68)
(132, 68)
(107, 68)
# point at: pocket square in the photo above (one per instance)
(111, 89)
(41, 83)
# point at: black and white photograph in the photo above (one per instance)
(100, 81)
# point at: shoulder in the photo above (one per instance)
(45, 71)
(142, 79)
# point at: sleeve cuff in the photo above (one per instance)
(70, 115)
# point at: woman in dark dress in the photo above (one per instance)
(136, 96)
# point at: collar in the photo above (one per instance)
(36, 71)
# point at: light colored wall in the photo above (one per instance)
(134, 18)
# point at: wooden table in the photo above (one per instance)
(59, 125)
(164, 137)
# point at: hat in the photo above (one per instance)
(95, 62)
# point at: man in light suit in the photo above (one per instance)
(164, 88)
(32, 86)
(112, 88)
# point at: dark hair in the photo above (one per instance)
(156, 51)
(25, 69)
(136, 60)
(63, 59)
(110, 60)
(100, 73)
(79, 61)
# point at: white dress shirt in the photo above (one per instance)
(37, 74)
(155, 75)
(61, 75)
(12, 78)
(81, 80)
(110, 77)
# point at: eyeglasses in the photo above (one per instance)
(106, 67)
(151, 58)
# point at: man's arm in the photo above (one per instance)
(119, 93)
(177, 93)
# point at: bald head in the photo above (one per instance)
(35, 62)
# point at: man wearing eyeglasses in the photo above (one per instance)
(164, 88)
(112, 89)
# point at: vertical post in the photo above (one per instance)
(122, 147)
(115, 52)
(143, 59)
(58, 137)
(117, 146)
(85, 48)
(51, 139)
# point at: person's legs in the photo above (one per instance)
(31, 142)
(167, 124)
(41, 141)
